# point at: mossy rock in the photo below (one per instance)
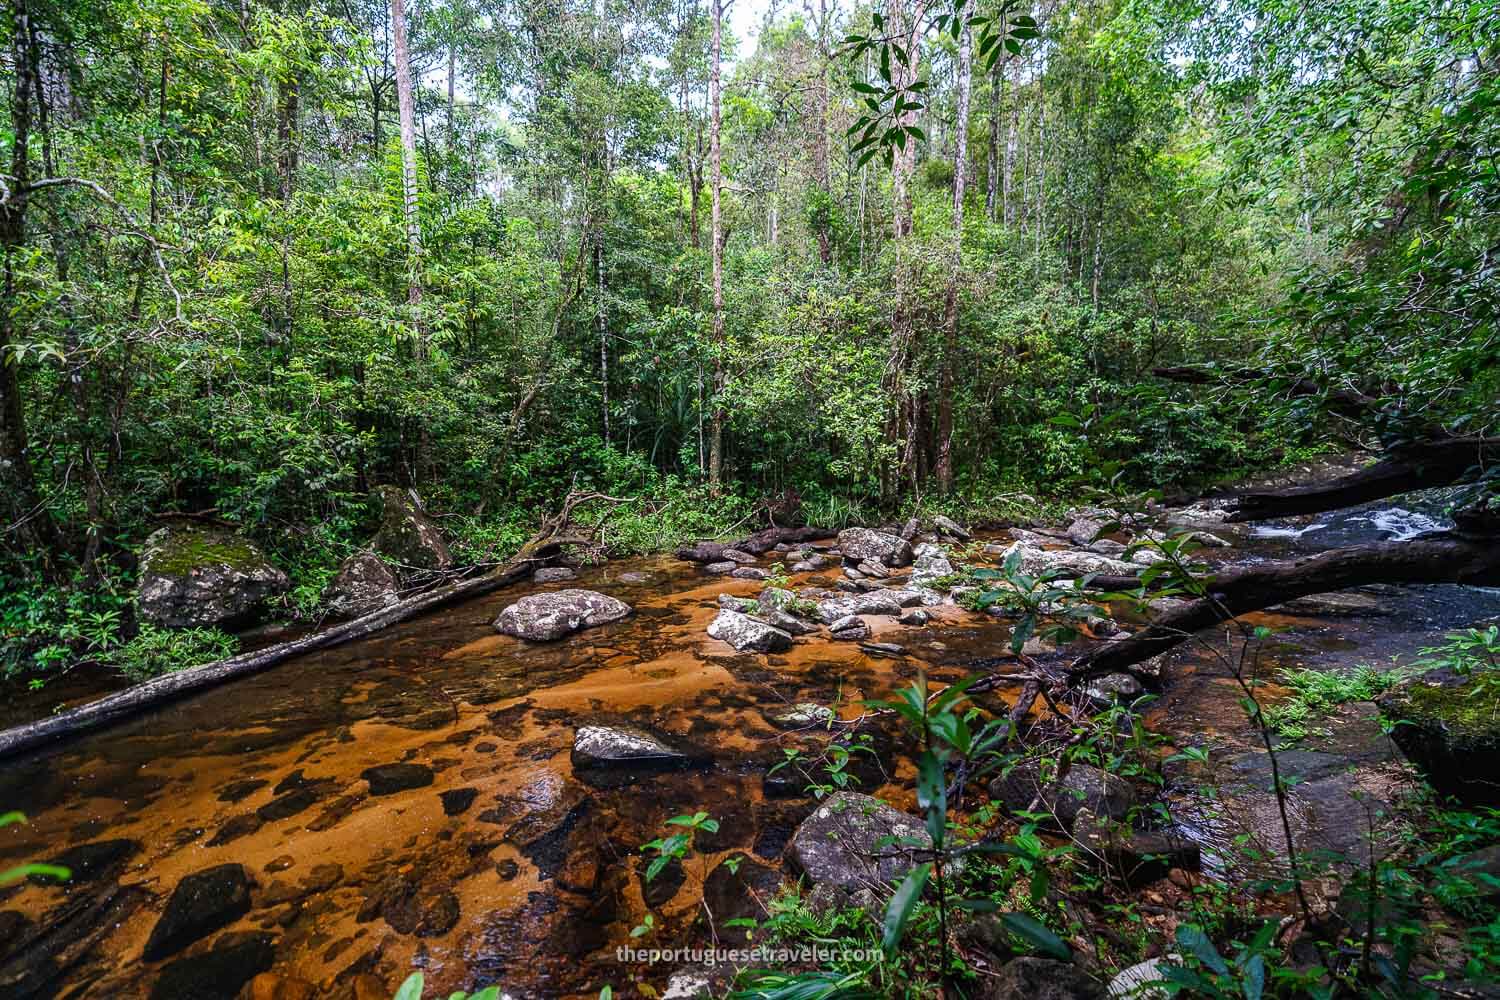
(1448, 725)
(194, 577)
(407, 535)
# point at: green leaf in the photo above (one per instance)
(901, 905)
(1194, 940)
(412, 988)
(1036, 934)
(1254, 983)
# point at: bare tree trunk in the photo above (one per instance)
(407, 109)
(944, 461)
(602, 324)
(992, 160)
(716, 424)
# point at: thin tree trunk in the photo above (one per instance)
(992, 160)
(407, 109)
(716, 426)
(944, 462)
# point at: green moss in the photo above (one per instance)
(1470, 711)
(181, 552)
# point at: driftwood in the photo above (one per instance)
(1440, 557)
(114, 707)
(1420, 466)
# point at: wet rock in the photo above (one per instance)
(853, 575)
(915, 619)
(1035, 561)
(745, 605)
(861, 544)
(364, 583)
(389, 779)
(1338, 604)
(739, 888)
(872, 570)
(1448, 725)
(910, 528)
(702, 552)
(553, 574)
(1030, 978)
(411, 907)
(660, 890)
(1107, 547)
(883, 648)
(876, 602)
(750, 573)
(745, 633)
(800, 716)
(810, 564)
(850, 840)
(1113, 687)
(269, 986)
(790, 624)
(235, 791)
(850, 628)
(544, 617)
(721, 568)
(950, 529)
(201, 904)
(930, 565)
(1083, 787)
(217, 974)
(407, 535)
(735, 555)
(236, 827)
(193, 577)
(290, 803)
(615, 755)
(1085, 530)
(103, 859)
(1133, 857)
(1135, 981)
(456, 801)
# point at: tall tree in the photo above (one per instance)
(944, 469)
(716, 214)
(407, 109)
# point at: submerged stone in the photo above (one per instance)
(388, 779)
(202, 903)
(221, 972)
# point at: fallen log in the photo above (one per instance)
(1418, 466)
(170, 686)
(1440, 557)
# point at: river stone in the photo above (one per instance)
(93, 862)
(1085, 530)
(202, 903)
(1035, 561)
(741, 891)
(748, 634)
(1084, 787)
(626, 747)
(950, 529)
(883, 648)
(1338, 604)
(735, 555)
(364, 583)
(847, 841)
(875, 602)
(915, 618)
(872, 570)
(388, 779)
(860, 544)
(850, 628)
(195, 577)
(1133, 857)
(1135, 981)
(544, 617)
(407, 535)
(1450, 730)
(749, 573)
(930, 564)
(1113, 687)
(1031, 978)
(702, 552)
(456, 801)
(789, 623)
(553, 574)
(745, 605)
(221, 972)
(811, 564)
(800, 716)
(721, 568)
(1107, 547)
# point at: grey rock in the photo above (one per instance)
(810, 563)
(852, 574)
(735, 555)
(1107, 547)
(741, 604)
(544, 617)
(1085, 530)
(868, 568)
(861, 544)
(1035, 561)
(1083, 787)
(194, 577)
(750, 573)
(721, 568)
(845, 842)
(883, 648)
(1031, 978)
(789, 623)
(849, 629)
(363, 583)
(1113, 687)
(703, 552)
(553, 574)
(628, 749)
(800, 715)
(202, 903)
(930, 564)
(915, 619)
(1135, 981)
(1338, 604)
(874, 602)
(745, 633)
(949, 528)
(407, 535)
(910, 528)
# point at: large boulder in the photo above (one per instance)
(851, 840)
(1448, 725)
(867, 544)
(890, 603)
(195, 577)
(1083, 787)
(949, 528)
(364, 583)
(1035, 561)
(544, 617)
(931, 564)
(407, 535)
(202, 903)
(745, 633)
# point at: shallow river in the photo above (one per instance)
(489, 862)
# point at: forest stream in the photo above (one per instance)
(485, 860)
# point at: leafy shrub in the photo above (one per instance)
(155, 651)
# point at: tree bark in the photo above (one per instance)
(1445, 557)
(1419, 466)
(944, 461)
(407, 111)
(716, 422)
